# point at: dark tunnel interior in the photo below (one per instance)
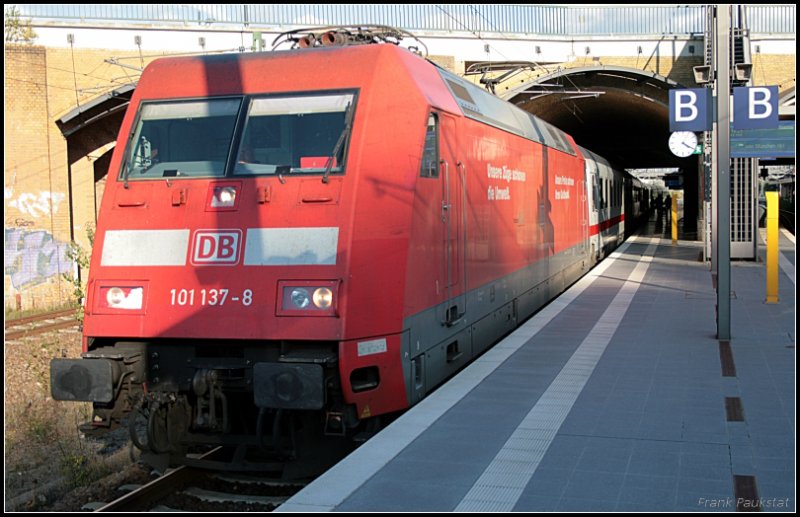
(621, 114)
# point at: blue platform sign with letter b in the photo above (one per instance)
(755, 107)
(690, 109)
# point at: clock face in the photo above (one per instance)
(682, 143)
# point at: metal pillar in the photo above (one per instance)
(710, 60)
(723, 41)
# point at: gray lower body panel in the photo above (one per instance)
(437, 349)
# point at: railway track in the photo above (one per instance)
(193, 489)
(39, 324)
(787, 219)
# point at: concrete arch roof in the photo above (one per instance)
(95, 123)
(102, 106)
(786, 103)
(788, 96)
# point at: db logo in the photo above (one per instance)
(216, 247)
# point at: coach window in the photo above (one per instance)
(596, 191)
(604, 193)
(614, 192)
(430, 152)
(613, 187)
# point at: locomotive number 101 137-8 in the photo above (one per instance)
(212, 297)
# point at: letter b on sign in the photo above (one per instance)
(690, 109)
(755, 107)
(216, 247)
(685, 106)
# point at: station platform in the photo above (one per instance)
(617, 396)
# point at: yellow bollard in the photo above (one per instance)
(772, 247)
(675, 196)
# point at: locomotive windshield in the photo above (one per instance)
(175, 139)
(281, 134)
(304, 134)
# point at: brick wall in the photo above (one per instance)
(36, 204)
(40, 87)
(774, 70)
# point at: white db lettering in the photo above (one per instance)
(216, 247)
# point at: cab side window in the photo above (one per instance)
(430, 151)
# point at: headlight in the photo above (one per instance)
(307, 298)
(323, 298)
(115, 296)
(300, 298)
(126, 298)
(224, 196)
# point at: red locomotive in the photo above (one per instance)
(321, 235)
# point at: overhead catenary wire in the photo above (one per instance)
(490, 24)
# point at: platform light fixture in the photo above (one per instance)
(702, 74)
(743, 71)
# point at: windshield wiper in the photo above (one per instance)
(127, 165)
(143, 155)
(280, 170)
(348, 124)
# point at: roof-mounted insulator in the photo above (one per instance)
(309, 40)
(344, 35)
(334, 39)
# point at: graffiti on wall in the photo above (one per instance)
(33, 256)
(34, 205)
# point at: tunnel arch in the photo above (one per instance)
(620, 113)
